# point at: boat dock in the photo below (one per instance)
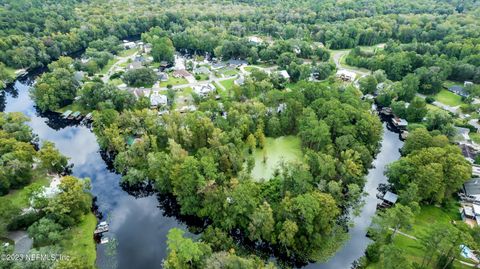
(66, 114)
(75, 116)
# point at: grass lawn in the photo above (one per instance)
(10, 71)
(124, 65)
(250, 68)
(154, 65)
(173, 81)
(107, 67)
(187, 91)
(475, 137)
(448, 98)
(202, 77)
(19, 198)
(286, 148)
(116, 82)
(449, 83)
(431, 216)
(126, 53)
(228, 84)
(228, 72)
(73, 107)
(428, 217)
(432, 107)
(80, 242)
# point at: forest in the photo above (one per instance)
(406, 54)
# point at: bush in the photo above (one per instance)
(429, 100)
(24, 221)
(373, 252)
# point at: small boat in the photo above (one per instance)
(102, 227)
(104, 240)
(386, 111)
(66, 114)
(88, 116)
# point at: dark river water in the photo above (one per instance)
(139, 224)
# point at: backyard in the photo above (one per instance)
(228, 84)
(251, 68)
(173, 81)
(429, 217)
(448, 98)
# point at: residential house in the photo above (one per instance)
(239, 81)
(458, 90)
(182, 73)
(162, 76)
(204, 90)
(157, 100)
(388, 199)
(236, 63)
(202, 70)
(129, 45)
(219, 65)
(471, 189)
(284, 74)
(134, 65)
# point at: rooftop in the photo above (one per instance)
(390, 197)
(472, 187)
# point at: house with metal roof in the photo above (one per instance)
(458, 90)
(472, 188)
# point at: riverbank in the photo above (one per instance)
(356, 245)
(78, 241)
(139, 222)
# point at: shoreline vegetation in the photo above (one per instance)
(37, 200)
(254, 119)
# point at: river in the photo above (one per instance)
(139, 224)
(355, 247)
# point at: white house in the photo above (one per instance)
(157, 100)
(255, 40)
(129, 45)
(284, 74)
(204, 90)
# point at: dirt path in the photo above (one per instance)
(337, 55)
